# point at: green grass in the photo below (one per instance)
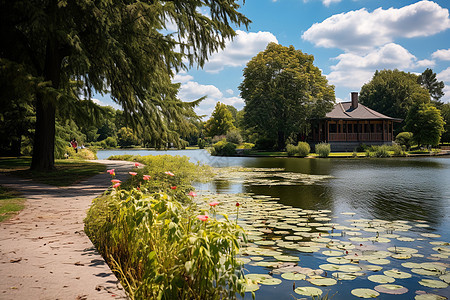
(10, 203)
(67, 172)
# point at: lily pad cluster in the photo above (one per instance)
(388, 254)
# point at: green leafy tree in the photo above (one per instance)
(429, 81)
(221, 121)
(445, 112)
(122, 47)
(393, 93)
(426, 124)
(283, 90)
(126, 137)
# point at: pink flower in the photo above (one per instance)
(116, 185)
(132, 173)
(237, 204)
(212, 204)
(116, 181)
(138, 188)
(169, 173)
(136, 164)
(111, 172)
(146, 177)
(203, 218)
(173, 187)
(192, 194)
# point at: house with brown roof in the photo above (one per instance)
(351, 124)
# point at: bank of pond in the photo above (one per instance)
(276, 228)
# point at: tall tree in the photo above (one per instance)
(429, 81)
(221, 121)
(445, 113)
(283, 90)
(426, 124)
(393, 93)
(115, 46)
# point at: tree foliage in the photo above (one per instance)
(283, 90)
(445, 113)
(426, 124)
(393, 93)
(429, 81)
(73, 48)
(221, 121)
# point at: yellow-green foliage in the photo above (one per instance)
(323, 149)
(157, 245)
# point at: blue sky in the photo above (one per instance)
(350, 40)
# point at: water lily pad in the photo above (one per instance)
(405, 239)
(338, 260)
(426, 272)
(308, 249)
(257, 277)
(429, 297)
(381, 279)
(397, 274)
(430, 235)
(445, 277)
(344, 275)
(433, 267)
(411, 265)
(332, 253)
(265, 243)
(378, 261)
(330, 267)
(293, 276)
(286, 258)
(401, 256)
(435, 284)
(308, 291)
(322, 281)
(257, 258)
(393, 289)
(373, 268)
(365, 293)
(271, 281)
(403, 250)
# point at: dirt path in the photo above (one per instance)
(44, 252)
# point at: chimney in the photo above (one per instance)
(354, 100)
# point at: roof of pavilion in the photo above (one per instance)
(344, 110)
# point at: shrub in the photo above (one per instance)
(234, 136)
(381, 151)
(111, 142)
(218, 138)
(291, 150)
(265, 144)
(404, 139)
(201, 143)
(362, 148)
(323, 149)
(247, 146)
(398, 150)
(223, 148)
(303, 149)
(84, 154)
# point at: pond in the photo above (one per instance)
(376, 214)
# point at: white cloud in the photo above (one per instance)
(192, 90)
(324, 2)
(362, 30)
(239, 51)
(442, 54)
(181, 78)
(353, 70)
(98, 102)
(230, 91)
(444, 76)
(446, 97)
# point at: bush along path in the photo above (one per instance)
(44, 252)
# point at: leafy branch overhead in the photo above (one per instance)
(125, 48)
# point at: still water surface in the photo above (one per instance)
(389, 189)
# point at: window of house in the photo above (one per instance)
(333, 128)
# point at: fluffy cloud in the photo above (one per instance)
(442, 54)
(239, 51)
(182, 78)
(362, 30)
(444, 76)
(353, 70)
(192, 90)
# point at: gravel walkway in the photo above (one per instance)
(44, 252)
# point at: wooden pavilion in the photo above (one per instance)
(350, 124)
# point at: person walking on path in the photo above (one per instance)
(44, 252)
(74, 145)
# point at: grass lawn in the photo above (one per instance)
(67, 171)
(10, 203)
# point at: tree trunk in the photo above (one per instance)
(44, 139)
(281, 143)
